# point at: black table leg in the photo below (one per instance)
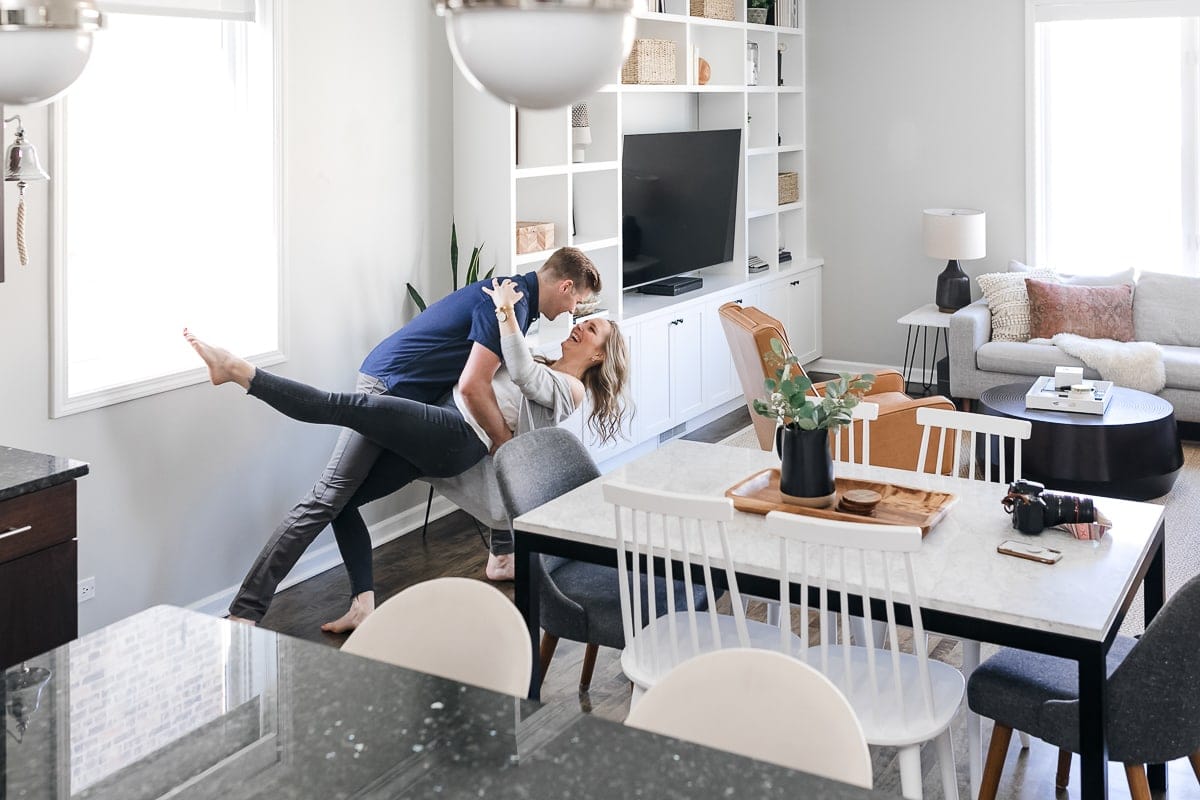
(527, 603)
(910, 355)
(1154, 594)
(1093, 762)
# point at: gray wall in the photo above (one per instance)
(186, 485)
(912, 104)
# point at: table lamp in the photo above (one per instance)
(954, 234)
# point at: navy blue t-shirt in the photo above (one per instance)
(424, 359)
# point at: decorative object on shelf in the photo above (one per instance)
(22, 697)
(470, 277)
(588, 306)
(752, 63)
(44, 46)
(756, 11)
(581, 132)
(802, 439)
(711, 9)
(789, 188)
(651, 61)
(538, 53)
(954, 234)
(534, 237)
(779, 61)
(703, 68)
(22, 166)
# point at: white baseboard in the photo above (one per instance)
(317, 560)
(857, 367)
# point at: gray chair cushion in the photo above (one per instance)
(1164, 309)
(1183, 366)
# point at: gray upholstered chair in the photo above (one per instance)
(579, 601)
(1153, 712)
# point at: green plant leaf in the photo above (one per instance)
(806, 424)
(416, 297)
(473, 266)
(453, 256)
(771, 384)
(804, 384)
(490, 272)
(777, 347)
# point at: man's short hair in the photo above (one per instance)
(571, 263)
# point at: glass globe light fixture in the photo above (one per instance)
(44, 46)
(539, 53)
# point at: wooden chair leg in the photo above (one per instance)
(1139, 786)
(548, 644)
(1064, 769)
(1195, 759)
(994, 766)
(589, 665)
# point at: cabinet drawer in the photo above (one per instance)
(35, 521)
(37, 603)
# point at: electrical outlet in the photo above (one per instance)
(87, 589)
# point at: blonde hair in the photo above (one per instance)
(572, 264)
(605, 382)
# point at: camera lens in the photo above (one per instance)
(1062, 508)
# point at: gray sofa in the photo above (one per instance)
(1166, 310)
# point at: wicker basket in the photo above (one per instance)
(650, 61)
(789, 188)
(712, 9)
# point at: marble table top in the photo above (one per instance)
(170, 702)
(22, 472)
(957, 568)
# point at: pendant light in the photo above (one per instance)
(44, 46)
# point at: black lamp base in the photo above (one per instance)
(953, 288)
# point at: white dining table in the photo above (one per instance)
(965, 588)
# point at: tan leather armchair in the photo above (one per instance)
(895, 435)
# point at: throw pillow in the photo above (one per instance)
(1008, 300)
(1094, 312)
(1108, 279)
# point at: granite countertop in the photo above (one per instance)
(173, 701)
(22, 472)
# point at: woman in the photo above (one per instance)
(426, 440)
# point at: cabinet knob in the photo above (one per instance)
(676, 322)
(738, 301)
(794, 283)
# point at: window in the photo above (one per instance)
(1115, 172)
(166, 200)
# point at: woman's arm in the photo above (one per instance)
(538, 382)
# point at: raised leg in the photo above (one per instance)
(1139, 787)
(970, 661)
(945, 751)
(549, 643)
(997, 750)
(1093, 756)
(910, 772)
(589, 666)
(1063, 776)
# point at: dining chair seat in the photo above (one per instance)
(883, 719)
(650, 669)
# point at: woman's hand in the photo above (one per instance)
(504, 293)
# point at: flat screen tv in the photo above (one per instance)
(679, 199)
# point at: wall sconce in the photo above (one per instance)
(44, 46)
(22, 696)
(538, 53)
(581, 132)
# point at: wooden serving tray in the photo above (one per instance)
(901, 505)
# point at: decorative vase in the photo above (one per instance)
(757, 16)
(806, 467)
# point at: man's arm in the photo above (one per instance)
(476, 387)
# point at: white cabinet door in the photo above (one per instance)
(651, 377)
(719, 374)
(804, 314)
(686, 371)
(773, 299)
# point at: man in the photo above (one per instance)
(454, 340)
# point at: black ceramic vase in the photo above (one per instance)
(806, 468)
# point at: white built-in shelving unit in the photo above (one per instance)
(514, 165)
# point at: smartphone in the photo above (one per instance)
(1034, 552)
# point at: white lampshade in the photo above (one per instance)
(539, 54)
(44, 46)
(956, 234)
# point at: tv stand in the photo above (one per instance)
(673, 286)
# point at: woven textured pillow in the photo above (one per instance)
(1008, 300)
(1095, 312)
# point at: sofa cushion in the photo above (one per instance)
(1107, 279)
(1096, 312)
(1008, 301)
(1183, 366)
(1022, 358)
(1164, 309)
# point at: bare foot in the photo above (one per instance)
(360, 608)
(223, 366)
(242, 620)
(500, 568)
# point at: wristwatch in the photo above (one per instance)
(503, 313)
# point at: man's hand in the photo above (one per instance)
(476, 387)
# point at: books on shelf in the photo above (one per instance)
(787, 13)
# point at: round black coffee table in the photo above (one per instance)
(1131, 452)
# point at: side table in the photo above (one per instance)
(919, 322)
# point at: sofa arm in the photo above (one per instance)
(970, 329)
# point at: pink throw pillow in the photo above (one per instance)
(1095, 312)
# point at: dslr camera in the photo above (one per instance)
(1034, 509)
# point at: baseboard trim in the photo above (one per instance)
(317, 560)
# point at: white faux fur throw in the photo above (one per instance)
(1136, 365)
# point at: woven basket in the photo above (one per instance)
(650, 61)
(789, 187)
(712, 9)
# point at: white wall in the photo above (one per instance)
(186, 486)
(911, 105)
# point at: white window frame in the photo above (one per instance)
(1035, 174)
(61, 404)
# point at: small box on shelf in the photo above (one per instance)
(712, 9)
(789, 188)
(650, 61)
(534, 237)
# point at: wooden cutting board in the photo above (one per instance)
(901, 505)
